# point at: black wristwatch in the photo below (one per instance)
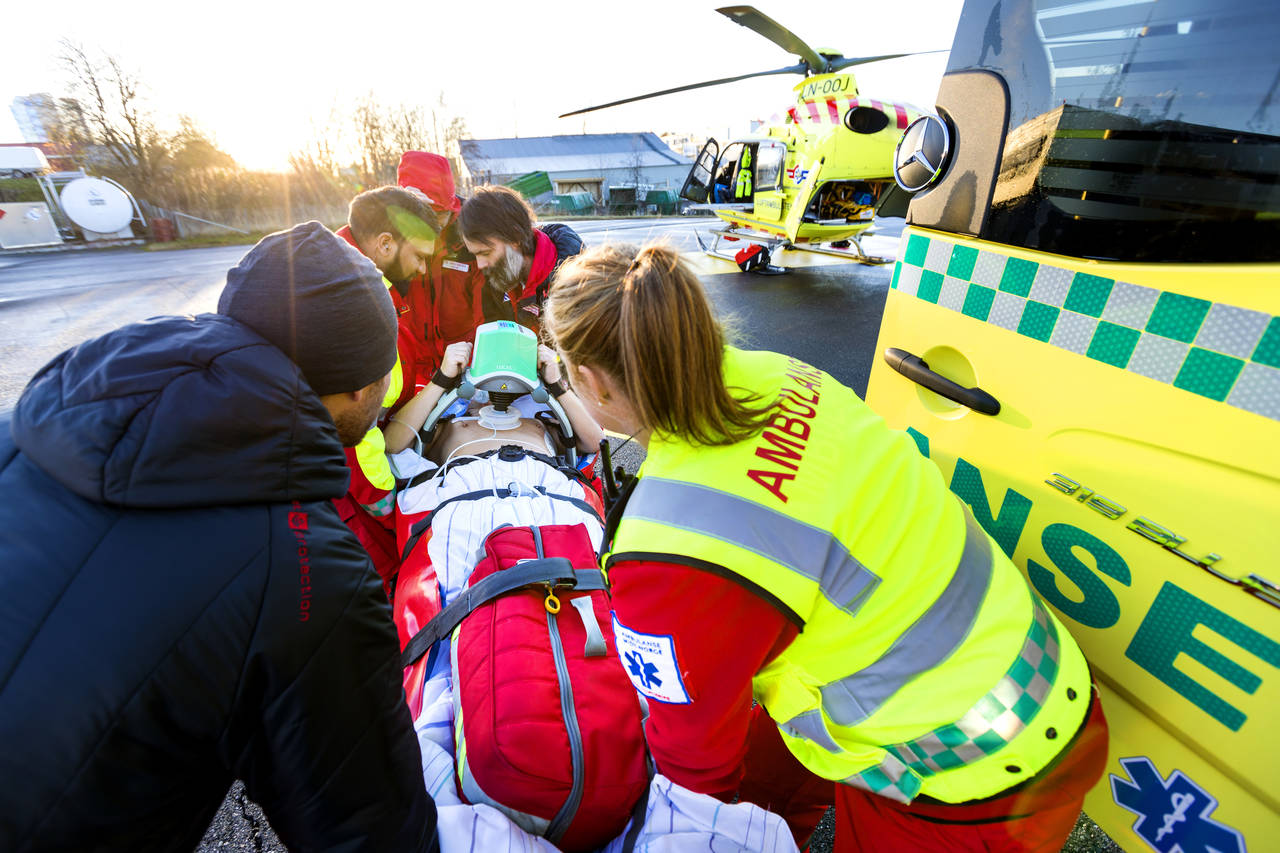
(558, 388)
(448, 383)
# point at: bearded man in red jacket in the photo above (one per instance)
(518, 259)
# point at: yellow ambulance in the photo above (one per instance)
(1083, 332)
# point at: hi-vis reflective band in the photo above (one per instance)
(808, 550)
(381, 508)
(985, 728)
(1219, 351)
(923, 646)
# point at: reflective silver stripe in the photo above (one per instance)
(811, 727)
(805, 549)
(927, 643)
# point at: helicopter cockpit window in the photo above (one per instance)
(770, 157)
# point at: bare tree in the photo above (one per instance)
(408, 130)
(446, 134)
(372, 146)
(382, 133)
(635, 167)
(193, 149)
(105, 111)
(321, 154)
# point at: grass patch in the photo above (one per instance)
(205, 241)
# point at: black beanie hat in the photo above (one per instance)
(318, 299)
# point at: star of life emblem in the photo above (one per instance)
(650, 662)
(1173, 813)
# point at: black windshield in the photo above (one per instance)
(1137, 130)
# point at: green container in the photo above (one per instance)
(575, 203)
(622, 199)
(531, 185)
(664, 201)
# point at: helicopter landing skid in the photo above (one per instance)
(854, 252)
(769, 243)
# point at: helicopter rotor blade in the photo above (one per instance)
(753, 19)
(845, 62)
(790, 69)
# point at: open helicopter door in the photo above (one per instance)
(697, 186)
(801, 202)
(769, 200)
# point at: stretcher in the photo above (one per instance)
(453, 512)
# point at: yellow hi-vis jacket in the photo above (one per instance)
(742, 187)
(371, 453)
(925, 664)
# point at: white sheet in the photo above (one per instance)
(676, 819)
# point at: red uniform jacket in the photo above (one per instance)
(450, 296)
(701, 744)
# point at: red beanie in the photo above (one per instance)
(430, 173)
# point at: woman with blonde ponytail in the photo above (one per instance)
(783, 545)
(642, 318)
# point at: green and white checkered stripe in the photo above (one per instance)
(381, 507)
(1213, 349)
(985, 728)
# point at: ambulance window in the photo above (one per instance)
(1138, 130)
(769, 159)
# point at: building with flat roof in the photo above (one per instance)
(591, 162)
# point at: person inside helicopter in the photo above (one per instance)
(733, 183)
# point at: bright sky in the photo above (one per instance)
(260, 76)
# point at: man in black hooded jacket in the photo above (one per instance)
(180, 604)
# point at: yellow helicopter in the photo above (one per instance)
(814, 181)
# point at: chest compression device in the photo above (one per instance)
(504, 366)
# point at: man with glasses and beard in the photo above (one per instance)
(518, 259)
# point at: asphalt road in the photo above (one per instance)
(827, 315)
(50, 301)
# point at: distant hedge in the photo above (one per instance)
(20, 189)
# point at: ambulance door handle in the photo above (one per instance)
(917, 370)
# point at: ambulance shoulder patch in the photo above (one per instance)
(650, 662)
